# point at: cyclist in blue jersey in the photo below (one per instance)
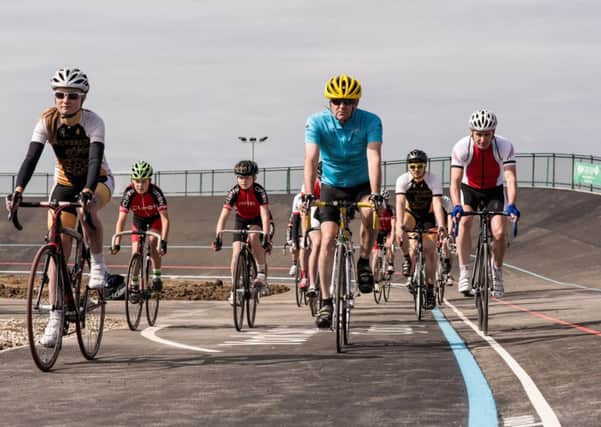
(349, 142)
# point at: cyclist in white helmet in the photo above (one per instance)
(480, 162)
(82, 173)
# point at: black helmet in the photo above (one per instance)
(417, 156)
(246, 168)
(319, 170)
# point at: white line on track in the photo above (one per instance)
(150, 333)
(540, 404)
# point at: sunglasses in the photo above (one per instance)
(73, 96)
(417, 166)
(342, 101)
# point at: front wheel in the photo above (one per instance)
(238, 291)
(43, 307)
(254, 295)
(298, 291)
(134, 292)
(153, 297)
(378, 281)
(340, 303)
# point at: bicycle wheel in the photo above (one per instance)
(339, 304)
(346, 295)
(238, 295)
(378, 279)
(40, 304)
(134, 292)
(92, 308)
(420, 285)
(485, 288)
(386, 288)
(253, 294)
(298, 290)
(314, 301)
(152, 296)
(440, 283)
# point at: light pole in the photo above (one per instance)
(252, 140)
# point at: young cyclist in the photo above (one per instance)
(480, 162)
(77, 138)
(386, 233)
(418, 201)
(249, 199)
(149, 207)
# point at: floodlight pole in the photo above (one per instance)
(252, 140)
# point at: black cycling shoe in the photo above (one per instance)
(430, 299)
(157, 284)
(364, 276)
(406, 269)
(324, 317)
(311, 292)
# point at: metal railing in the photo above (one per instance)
(553, 170)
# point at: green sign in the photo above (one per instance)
(587, 174)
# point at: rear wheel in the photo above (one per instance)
(440, 284)
(41, 304)
(298, 290)
(134, 292)
(152, 296)
(254, 295)
(92, 311)
(378, 280)
(340, 304)
(386, 289)
(420, 286)
(238, 297)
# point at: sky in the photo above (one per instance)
(177, 82)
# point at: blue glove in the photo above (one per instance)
(457, 211)
(512, 210)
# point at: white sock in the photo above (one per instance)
(97, 258)
(463, 269)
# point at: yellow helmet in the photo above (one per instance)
(343, 86)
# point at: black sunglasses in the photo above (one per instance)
(70, 95)
(342, 101)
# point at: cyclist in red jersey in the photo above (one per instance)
(149, 207)
(480, 162)
(386, 233)
(249, 199)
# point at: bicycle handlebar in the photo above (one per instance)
(145, 232)
(53, 204)
(344, 204)
(488, 214)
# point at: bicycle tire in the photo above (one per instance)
(39, 307)
(440, 282)
(238, 289)
(314, 302)
(152, 296)
(298, 291)
(134, 294)
(347, 295)
(339, 303)
(378, 276)
(91, 307)
(419, 292)
(253, 295)
(486, 288)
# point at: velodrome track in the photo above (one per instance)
(540, 366)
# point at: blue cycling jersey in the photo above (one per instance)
(343, 148)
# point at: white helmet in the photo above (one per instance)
(483, 120)
(70, 78)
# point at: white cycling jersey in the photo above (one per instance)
(482, 169)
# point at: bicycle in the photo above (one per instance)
(381, 275)
(442, 276)
(314, 300)
(482, 284)
(344, 275)
(300, 293)
(244, 293)
(69, 297)
(142, 294)
(417, 283)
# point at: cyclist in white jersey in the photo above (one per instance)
(480, 162)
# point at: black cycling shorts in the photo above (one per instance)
(243, 224)
(492, 199)
(332, 194)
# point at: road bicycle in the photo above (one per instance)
(300, 293)
(482, 284)
(381, 275)
(245, 297)
(442, 276)
(417, 282)
(139, 291)
(57, 289)
(343, 287)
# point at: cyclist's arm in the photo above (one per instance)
(400, 214)
(120, 225)
(311, 159)
(511, 183)
(28, 166)
(392, 229)
(438, 211)
(225, 213)
(374, 157)
(94, 164)
(456, 177)
(264, 209)
(164, 224)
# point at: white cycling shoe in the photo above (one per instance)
(98, 276)
(50, 336)
(497, 283)
(292, 271)
(465, 287)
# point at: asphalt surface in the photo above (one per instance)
(541, 362)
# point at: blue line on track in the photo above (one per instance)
(482, 410)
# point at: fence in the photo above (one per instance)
(570, 171)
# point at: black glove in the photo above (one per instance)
(115, 249)
(307, 199)
(164, 246)
(217, 243)
(377, 200)
(12, 203)
(266, 243)
(86, 197)
(289, 235)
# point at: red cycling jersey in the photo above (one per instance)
(385, 219)
(144, 205)
(246, 202)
